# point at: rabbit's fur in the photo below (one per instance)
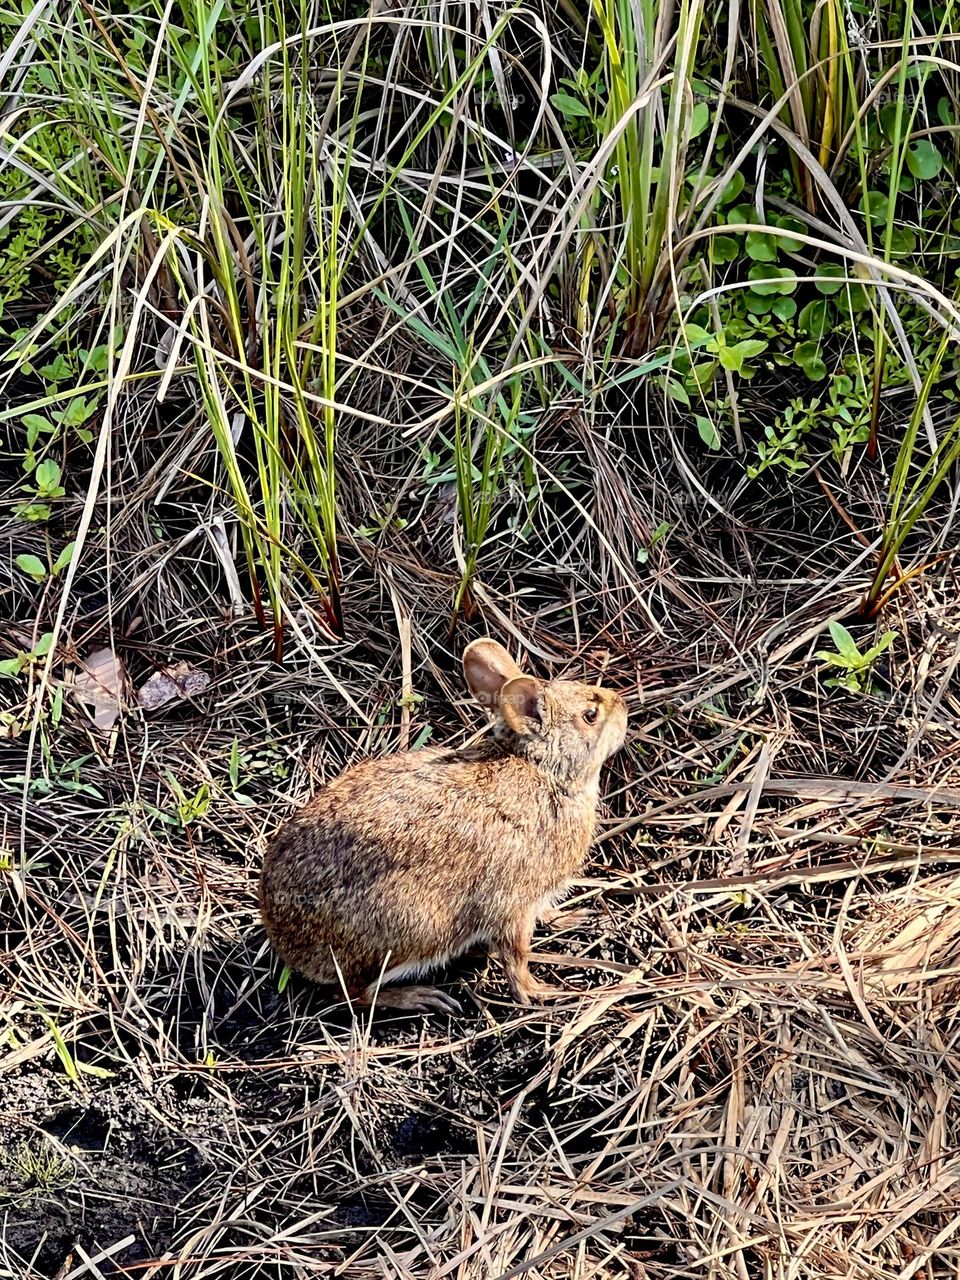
(400, 864)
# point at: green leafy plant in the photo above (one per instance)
(579, 101)
(24, 659)
(57, 776)
(658, 535)
(46, 488)
(854, 665)
(734, 356)
(34, 567)
(190, 808)
(840, 415)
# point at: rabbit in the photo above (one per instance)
(402, 863)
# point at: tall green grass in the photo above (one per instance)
(279, 198)
(648, 69)
(277, 282)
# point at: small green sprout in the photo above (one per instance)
(854, 665)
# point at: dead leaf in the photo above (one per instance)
(99, 685)
(10, 726)
(172, 685)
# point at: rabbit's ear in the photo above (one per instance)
(487, 667)
(520, 704)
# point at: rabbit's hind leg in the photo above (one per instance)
(513, 948)
(377, 987)
(411, 999)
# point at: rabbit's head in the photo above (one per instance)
(565, 728)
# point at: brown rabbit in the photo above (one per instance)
(400, 864)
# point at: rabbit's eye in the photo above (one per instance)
(590, 715)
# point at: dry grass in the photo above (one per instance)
(755, 1072)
